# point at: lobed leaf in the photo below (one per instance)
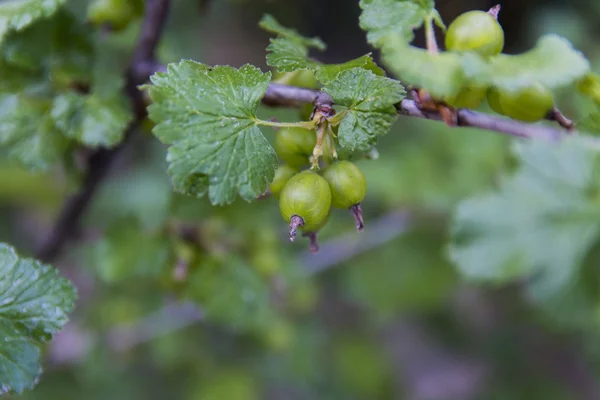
(34, 303)
(16, 15)
(270, 24)
(440, 74)
(553, 62)
(289, 53)
(370, 109)
(207, 117)
(395, 19)
(539, 224)
(91, 119)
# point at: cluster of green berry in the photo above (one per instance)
(480, 32)
(306, 196)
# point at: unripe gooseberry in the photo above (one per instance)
(282, 175)
(116, 13)
(529, 104)
(469, 97)
(294, 146)
(476, 31)
(305, 202)
(348, 188)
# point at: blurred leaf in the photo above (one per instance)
(126, 251)
(92, 120)
(231, 384)
(61, 47)
(361, 366)
(231, 293)
(34, 303)
(25, 188)
(207, 115)
(27, 133)
(370, 109)
(440, 74)
(541, 222)
(383, 19)
(433, 166)
(409, 274)
(16, 15)
(553, 62)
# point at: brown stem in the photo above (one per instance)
(494, 11)
(295, 223)
(561, 119)
(357, 213)
(313, 245)
(100, 160)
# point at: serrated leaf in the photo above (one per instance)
(440, 74)
(28, 134)
(207, 116)
(270, 24)
(553, 62)
(90, 119)
(16, 15)
(539, 224)
(60, 46)
(385, 19)
(289, 53)
(370, 109)
(127, 251)
(34, 303)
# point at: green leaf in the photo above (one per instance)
(90, 119)
(270, 24)
(289, 53)
(370, 109)
(34, 303)
(16, 15)
(385, 19)
(127, 251)
(440, 74)
(207, 116)
(553, 62)
(541, 221)
(28, 134)
(60, 47)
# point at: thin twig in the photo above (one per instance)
(283, 95)
(100, 160)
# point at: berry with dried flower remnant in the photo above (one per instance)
(348, 188)
(304, 203)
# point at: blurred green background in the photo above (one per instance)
(243, 314)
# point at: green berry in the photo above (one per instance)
(528, 104)
(305, 202)
(282, 175)
(347, 183)
(475, 31)
(469, 97)
(117, 13)
(294, 146)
